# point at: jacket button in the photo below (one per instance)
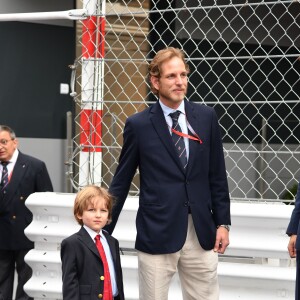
(100, 296)
(14, 217)
(21, 198)
(101, 277)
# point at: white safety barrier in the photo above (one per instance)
(256, 264)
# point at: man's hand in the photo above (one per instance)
(222, 240)
(292, 245)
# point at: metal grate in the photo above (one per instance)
(244, 60)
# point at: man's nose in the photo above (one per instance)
(178, 79)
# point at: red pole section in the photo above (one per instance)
(89, 37)
(93, 46)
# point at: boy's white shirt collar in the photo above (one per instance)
(92, 233)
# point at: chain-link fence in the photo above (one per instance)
(244, 61)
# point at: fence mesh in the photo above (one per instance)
(244, 61)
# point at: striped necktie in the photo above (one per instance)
(4, 178)
(177, 139)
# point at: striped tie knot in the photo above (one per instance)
(175, 116)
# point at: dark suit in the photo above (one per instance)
(82, 267)
(294, 228)
(166, 190)
(29, 175)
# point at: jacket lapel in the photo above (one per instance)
(159, 123)
(86, 239)
(17, 175)
(111, 245)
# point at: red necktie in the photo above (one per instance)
(107, 292)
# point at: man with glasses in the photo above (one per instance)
(20, 175)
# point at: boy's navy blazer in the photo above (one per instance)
(82, 266)
(166, 189)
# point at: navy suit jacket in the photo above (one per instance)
(293, 227)
(82, 266)
(166, 190)
(29, 175)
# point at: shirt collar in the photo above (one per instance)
(167, 110)
(14, 157)
(91, 232)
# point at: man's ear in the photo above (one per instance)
(155, 82)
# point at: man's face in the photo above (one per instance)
(172, 84)
(7, 146)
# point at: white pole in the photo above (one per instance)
(74, 14)
(92, 82)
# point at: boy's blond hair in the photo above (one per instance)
(85, 197)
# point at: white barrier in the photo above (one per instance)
(256, 264)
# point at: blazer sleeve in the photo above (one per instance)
(43, 181)
(295, 217)
(128, 163)
(69, 272)
(218, 177)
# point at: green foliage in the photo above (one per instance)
(291, 193)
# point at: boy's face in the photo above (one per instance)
(96, 214)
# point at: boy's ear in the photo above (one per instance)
(79, 216)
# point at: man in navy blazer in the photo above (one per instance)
(293, 231)
(184, 211)
(26, 175)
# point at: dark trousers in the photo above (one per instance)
(9, 261)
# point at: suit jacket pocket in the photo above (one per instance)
(85, 289)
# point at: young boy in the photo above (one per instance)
(84, 271)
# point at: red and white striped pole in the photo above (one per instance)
(92, 84)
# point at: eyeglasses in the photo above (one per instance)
(4, 142)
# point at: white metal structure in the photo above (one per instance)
(73, 14)
(255, 266)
